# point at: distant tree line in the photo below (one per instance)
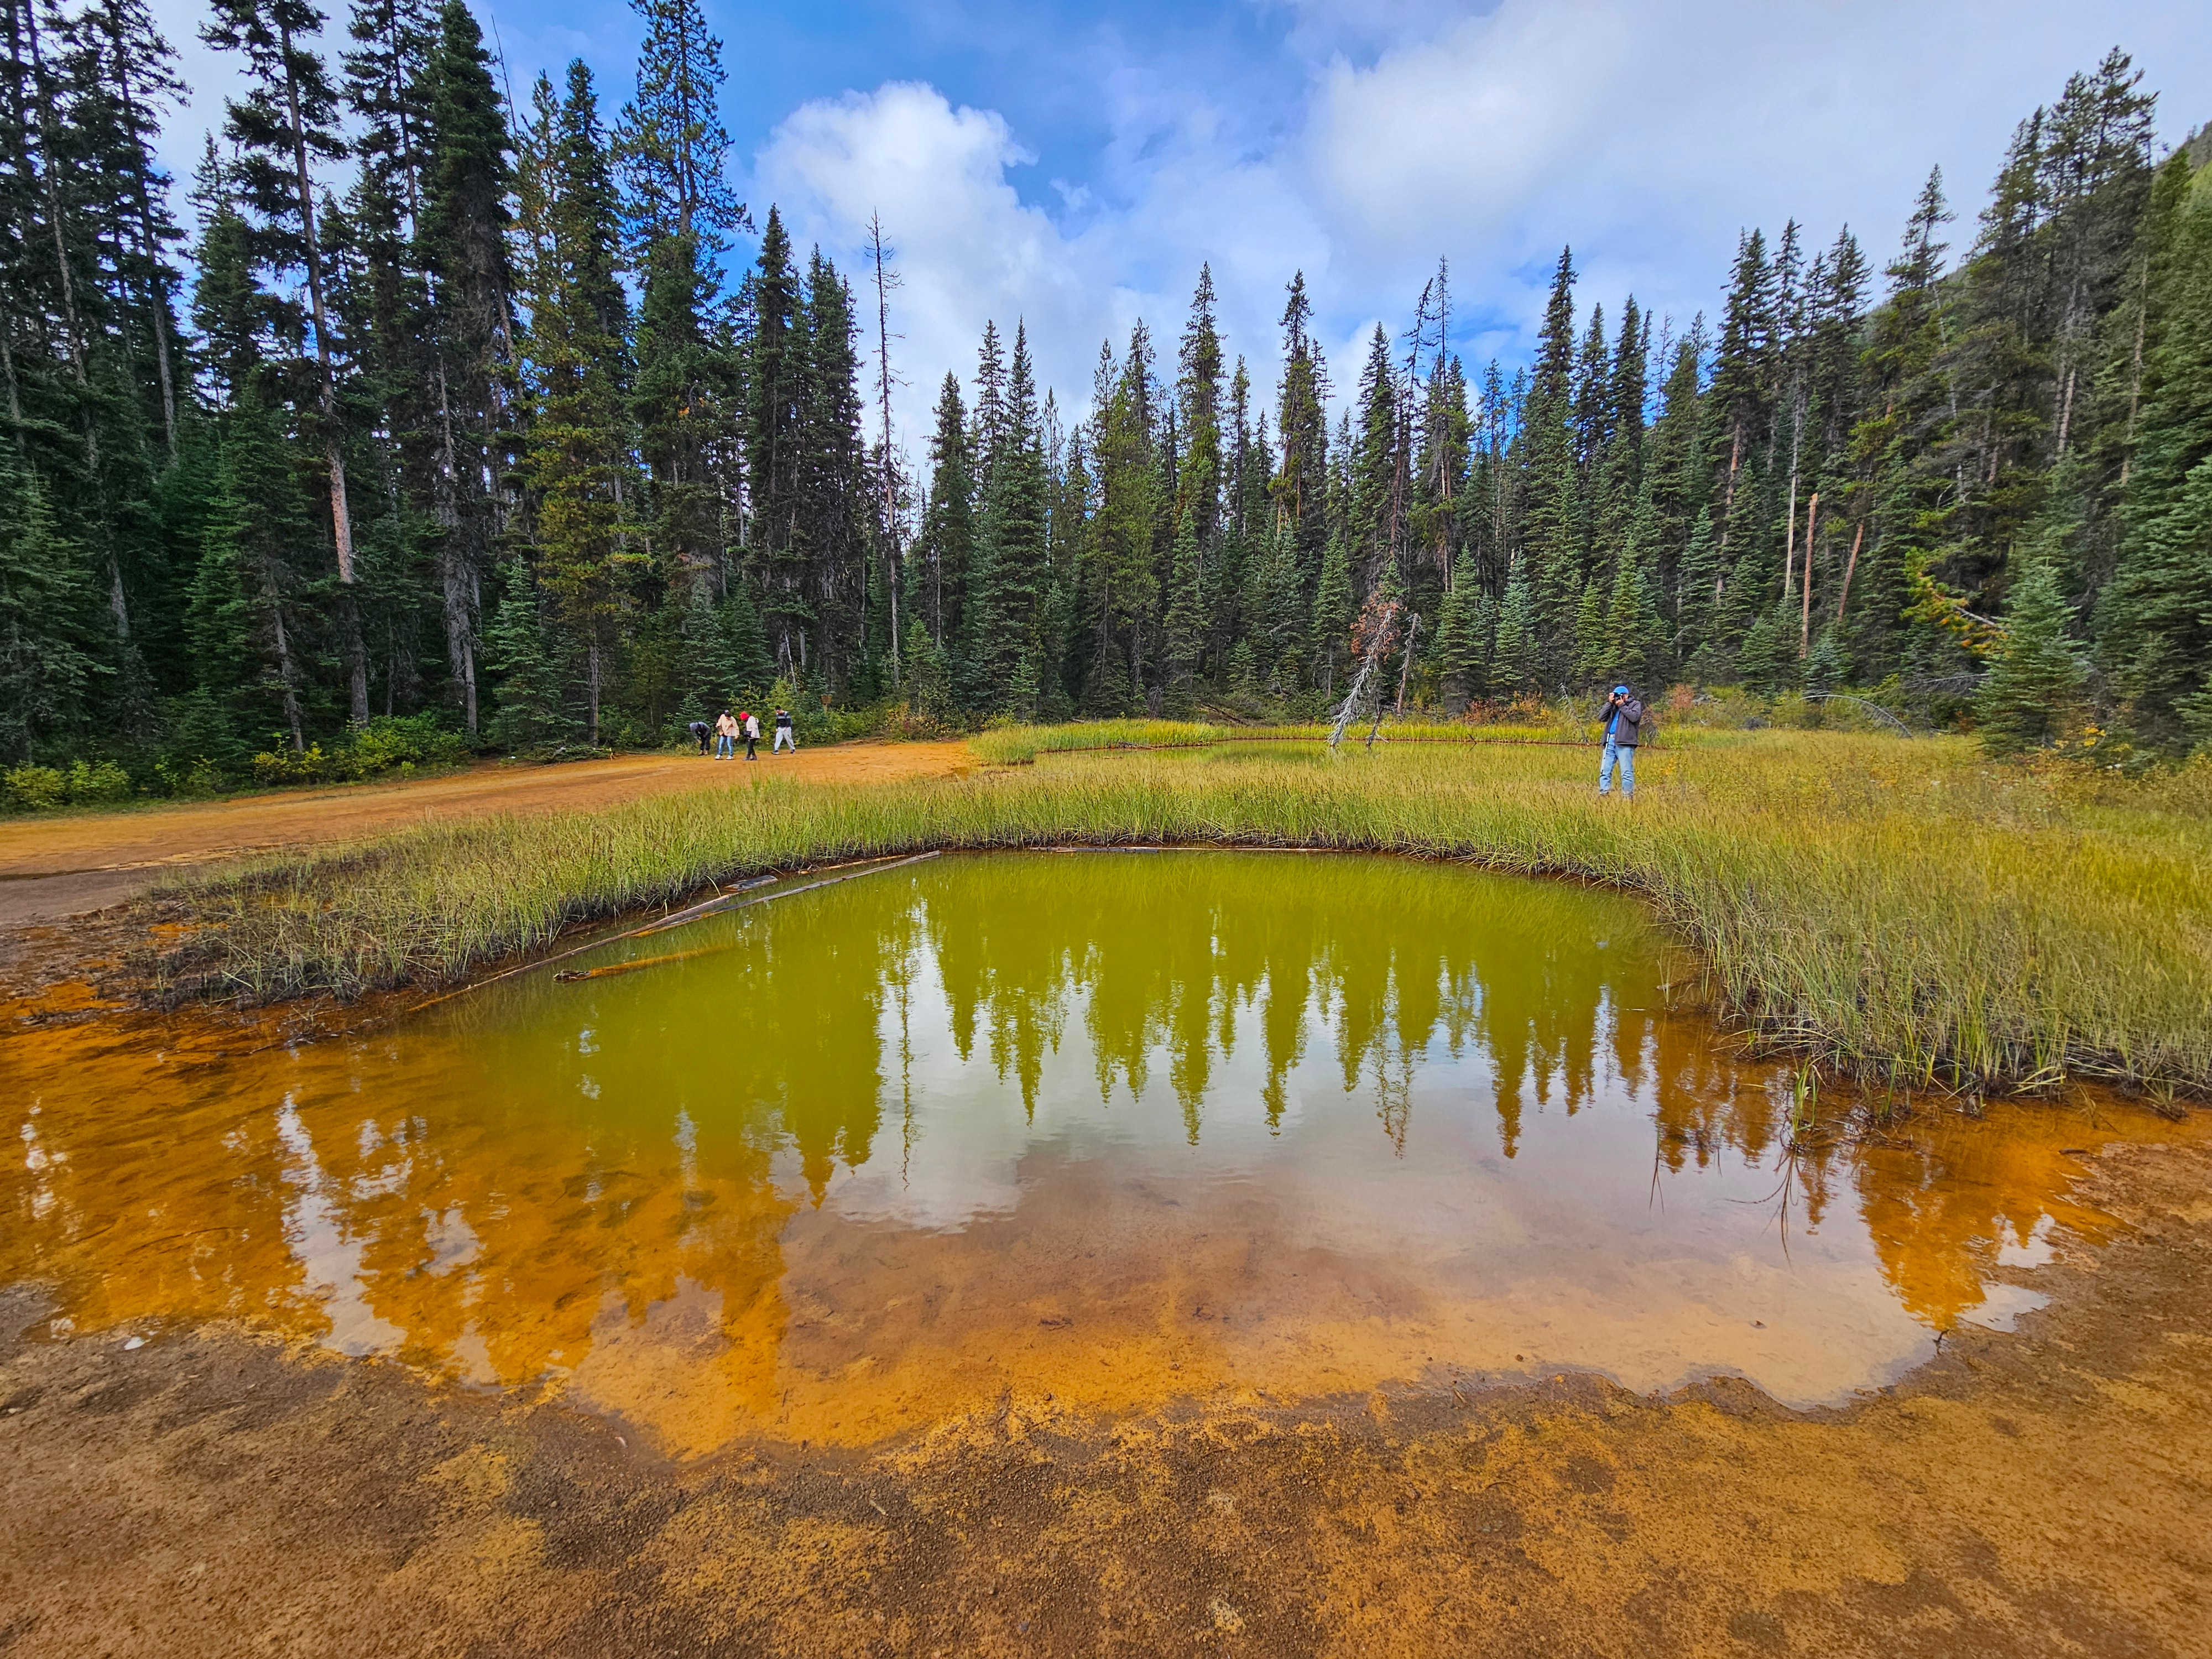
(458, 411)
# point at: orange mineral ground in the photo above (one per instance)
(1074, 1254)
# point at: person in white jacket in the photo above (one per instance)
(752, 735)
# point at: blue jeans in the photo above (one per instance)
(726, 746)
(1627, 758)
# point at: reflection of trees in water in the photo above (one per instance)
(1164, 949)
(497, 1181)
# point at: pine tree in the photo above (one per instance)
(47, 672)
(833, 484)
(775, 393)
(1302, 426)
(1514, 664)
(1186, 622)
(577, 454)
(523, 656)
(1198, 416)
(2154, 620)
(1550, 519)
(1331, 616)
(948, 520)
(286, 123)
(462, 247)
(1907, 402)
(1000, 655)
(1461, 652)
(671, 138)
(2031, 694)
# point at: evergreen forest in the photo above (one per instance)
(420, 420)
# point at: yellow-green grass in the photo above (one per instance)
(1016, 745)
(1904, 912)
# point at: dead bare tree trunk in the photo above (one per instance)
(1850, 565)
(1805, 621)
(886, 281)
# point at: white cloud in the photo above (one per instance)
(966, 246)
(1647, 133)
(1360, 139)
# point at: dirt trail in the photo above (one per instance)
(56, 866)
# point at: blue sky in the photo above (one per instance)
(1073, 164)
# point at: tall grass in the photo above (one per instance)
(1898, 911)
(1018, 745)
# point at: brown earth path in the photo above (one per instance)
(53, 866)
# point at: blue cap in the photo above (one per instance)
(1620, 690)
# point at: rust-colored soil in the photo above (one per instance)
(2044, 1492)
(53, 866)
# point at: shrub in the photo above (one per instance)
(392, 741)
(47, 788)
(35, 788)
(100, 784)
(274, 768)
(387, 744)
(198, 779)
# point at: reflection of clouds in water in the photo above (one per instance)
(331, 1260)
(1371, 1118)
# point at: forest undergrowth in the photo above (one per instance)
(1904, 913)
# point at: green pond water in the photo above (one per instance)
(1108, 1129)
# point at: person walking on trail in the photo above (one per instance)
(725, 736)
(784, 737)
(1623, 715)
(699, 732)
(752, 735)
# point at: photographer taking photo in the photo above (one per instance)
(1623, 715)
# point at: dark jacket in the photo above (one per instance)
(1626, 733)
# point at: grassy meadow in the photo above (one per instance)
(1903, 912)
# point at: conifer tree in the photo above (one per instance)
(588, 550)
(2156, 618)
(46, 668)
(774, 445)
(521, 653)
(2032, 696)
(1549, 517)
(1332, 615)
(948, 520)
(1302, 426)
(1186, 621)
(1514, 664)
(287, 122)
(1461, 648)
(1374, 468)
(462, 247)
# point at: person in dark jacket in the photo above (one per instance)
(701, 730)
(785, 737)
(1623, 715)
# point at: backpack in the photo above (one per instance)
(1633, 711)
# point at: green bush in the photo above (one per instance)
(47, 788)
(35, 788)
(100, 784)
(390, 743)
(198, 779)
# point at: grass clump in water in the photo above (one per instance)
(1902, 912)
